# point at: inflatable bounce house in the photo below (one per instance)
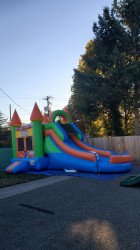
(48, 143)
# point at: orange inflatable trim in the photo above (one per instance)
(67, 149)
(120, 158)
(12, 166)
(83, 146)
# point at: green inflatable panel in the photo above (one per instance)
(50, 147)
(61, 113)
(132, 180)
(14, 148)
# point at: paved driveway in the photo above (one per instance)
(72, 214)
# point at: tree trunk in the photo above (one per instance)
(136, 110)
(137, 121)
(125, 120)
(115, 117)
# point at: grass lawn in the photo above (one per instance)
(12, 179)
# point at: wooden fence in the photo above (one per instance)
(119, 144)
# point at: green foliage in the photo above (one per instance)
(3, 120)
(5, 132)
(128, 13)
(106, 82)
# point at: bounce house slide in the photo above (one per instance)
(66, 155)
(48, 144)
(75, 154)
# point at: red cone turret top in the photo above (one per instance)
(15, 121)
(50, 116)
(66, 110)
(45, 119)
(36, 114)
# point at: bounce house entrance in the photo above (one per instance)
(24, 143)
(68, 128)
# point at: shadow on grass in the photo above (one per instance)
(13, 179)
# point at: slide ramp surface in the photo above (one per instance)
(72, 153)
(67, 155)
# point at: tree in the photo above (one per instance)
(128, 13)
(106, 84)
(3, 120)
(110, 46)
(5, 133)
(96, 87)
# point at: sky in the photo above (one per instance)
(40, 44)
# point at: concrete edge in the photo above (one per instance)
(31, 185)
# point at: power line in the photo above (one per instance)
(12, 100)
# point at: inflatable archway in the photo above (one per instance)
(62, 114)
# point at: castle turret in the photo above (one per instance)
(63, 118)
(36, 119)
(66, 110)
(45, 119)
(15, 122)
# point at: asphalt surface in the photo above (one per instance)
(73, 214)
(31, 185)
